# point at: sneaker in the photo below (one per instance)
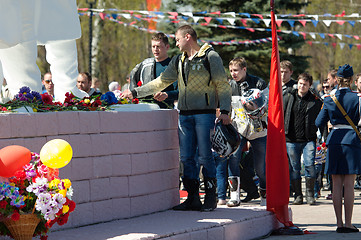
(222, 202)
(263, 202)
(329, 196)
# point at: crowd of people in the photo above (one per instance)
(320, 125)
(322, 136)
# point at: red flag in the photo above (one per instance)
(277, 172)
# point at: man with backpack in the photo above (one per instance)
(201, 91)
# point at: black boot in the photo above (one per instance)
(193, 201)
(210, 200)
(297, 188)
(310, 191)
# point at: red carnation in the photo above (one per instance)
(20, 175)
(15, 216)
(139, 83)
(63, 219)
(71, 205)
(47, 98)
(323, 145)
(318, 148)
(50, 223)
(135, 100)
(3, 204)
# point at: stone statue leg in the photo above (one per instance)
(62, 57)
(19, 66)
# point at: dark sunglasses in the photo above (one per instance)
(48, 81)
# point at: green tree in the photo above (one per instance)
(258, 55)
(324, 56)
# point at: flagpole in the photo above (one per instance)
(277, 170)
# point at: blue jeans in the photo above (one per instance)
(318, 169)
(195, 132)
(294, 151)
(222, 177)
(259, 159)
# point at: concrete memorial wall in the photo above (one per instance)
(125, 163)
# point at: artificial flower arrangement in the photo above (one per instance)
(44, 102)
(36, 189)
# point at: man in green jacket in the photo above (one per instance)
(203, 86)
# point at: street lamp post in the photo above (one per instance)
(91, 5)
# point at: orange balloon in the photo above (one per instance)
(12, 159)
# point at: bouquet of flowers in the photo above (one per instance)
(36, 189)
(44, 102)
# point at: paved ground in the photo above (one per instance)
(320, 220)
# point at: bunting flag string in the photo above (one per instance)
(212, 42)
(233, 14)
(231, 17)
(313, 35)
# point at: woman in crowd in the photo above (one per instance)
(344, 146)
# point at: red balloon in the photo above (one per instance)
(12, 159)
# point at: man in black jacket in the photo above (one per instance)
(151, 68)
(301, 108)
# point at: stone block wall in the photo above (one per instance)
(125, 164)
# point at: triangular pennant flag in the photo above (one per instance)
(291, 22)
(314, 22)
(231, 20)
(313, 35)
(137, 15)
(233, 14)
(352, 23)
(341, 22)
(356, 37)
(340, 15)
(315, 17)
(354, 15)
(350, 46)
(189, 14)
(258, 15)
(348, 36)
(185, 18)
(144, 12)
(339, 36)
(295, 33)
(358, 46)
(327, 15)
(250, 29)
(244, 22)
(303, 34)
(334, 45)
(256, 20)
(220, 20)
(114, 15)
(196, 19)
(245, 14)
(102, 15)
(279, 22)
(173, 14)
(331, 35)
(342, 45)
(126, 15)
(309, 43)
(327, 22)
(322, 35)
(267, 22)
(208, 19)
(326, 43)
(303, 22)
(217, 13)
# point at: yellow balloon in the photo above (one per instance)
(56, 153)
